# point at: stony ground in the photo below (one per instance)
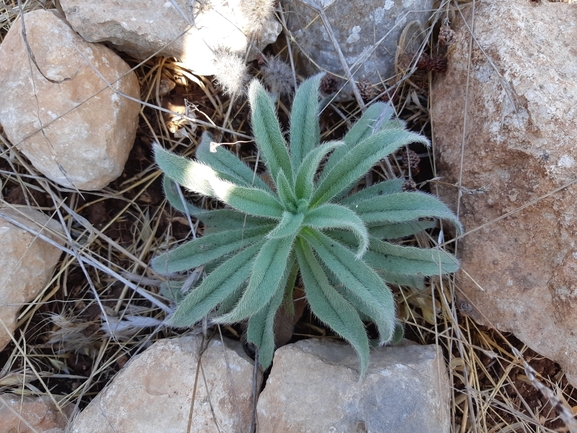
(64, 350)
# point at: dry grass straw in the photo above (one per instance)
(102, 306)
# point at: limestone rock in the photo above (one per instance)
(26, 263)
(314, 387)
(31, 415)
(59, 111)
(190, 31)
(367, 32)
(520, 272)
(154, 392)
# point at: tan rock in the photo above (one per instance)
(32, 415)
(314, 387)
(26, 263)
(56, 106)
(190, 31)
(520, 272)
(165, 387)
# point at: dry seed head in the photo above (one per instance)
(433, 63)
(366, 90)
(329, 84)
(256, 13)
(230, 70)
(409, 185)
(410, 161)
(277, 75)
(446, 35)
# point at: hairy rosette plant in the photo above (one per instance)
(307, 222)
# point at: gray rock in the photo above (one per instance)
(314, 387)
(60, 112)
(162, 389)
(26, 263)
(367, 32)
(519, 272)
(191, 31)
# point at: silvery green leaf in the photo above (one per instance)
(304, 127)
(252, 201)
(227, 165)
(206, 249)
(260, 330)
(229, 219)
(230, 301)
(376, 190)
(251, 252)
(214, 220)
(360, 280)
(267, 133)
(332, 216)
(329, 306)
(409, 260)
(173, 197)
(305, 176)
(289, 225)
(400, 230)
(220, 284)
(193, 175)
(403, 260)
(403, 207)
(374, 116)
(171, 290)
(286, 192)
(370, 123)
(201, 178)
(358, 160)
(267, 275)
(415, 281)
(399, 333)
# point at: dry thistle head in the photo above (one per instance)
(277, 75)
(230, 70)
(256, 13)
